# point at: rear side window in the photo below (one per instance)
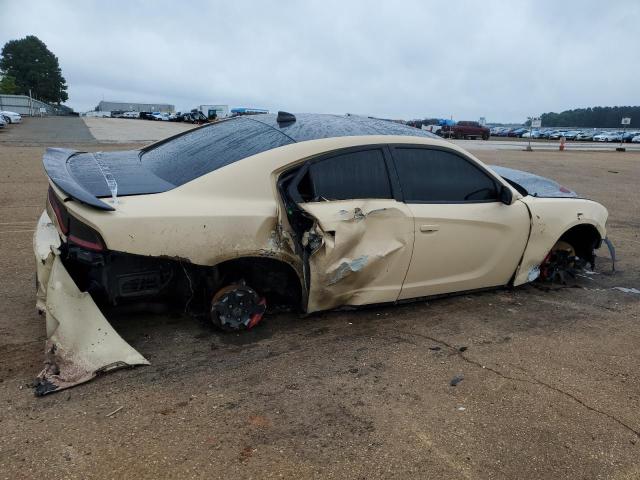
(203, 150)
(354, 175)
(439, 176)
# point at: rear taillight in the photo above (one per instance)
(84, 236)
(76, 232)
(60, 211)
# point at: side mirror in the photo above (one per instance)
(506, 195)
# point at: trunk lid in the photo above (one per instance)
(88, 177)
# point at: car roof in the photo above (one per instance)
(314, 126)
(191, 154)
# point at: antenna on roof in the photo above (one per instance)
(286, 117)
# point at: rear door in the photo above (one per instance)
(358, 242)
(465, 238)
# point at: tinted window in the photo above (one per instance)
(440, 176)
(351, 175)
(208, 148)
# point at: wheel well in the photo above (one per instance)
(274, 279)
(584, 239)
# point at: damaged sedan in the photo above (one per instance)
(309, 212)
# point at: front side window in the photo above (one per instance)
(354, 175)
(438, 176)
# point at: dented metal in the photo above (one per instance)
(360, 252)
(550, 219)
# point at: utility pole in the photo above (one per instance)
(625, 121)
(533, 121)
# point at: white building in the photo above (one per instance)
(220, 111)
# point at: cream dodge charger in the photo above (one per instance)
(307, 211)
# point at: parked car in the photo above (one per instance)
(194, 116)
(531, 134)
(547, 133)
(607, 137)
(636, 139)
(160, 116)
(557, 134)
(3, 122)
(499, 131)
(466, 129)
(12, 117)
(586, 135)
(310, 211)
(146, 115)
(131, 115)
(517, 132)
(628, 136)
(571, 134)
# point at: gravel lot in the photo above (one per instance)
(126, 130)
(551, 383)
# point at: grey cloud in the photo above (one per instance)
(499, 59)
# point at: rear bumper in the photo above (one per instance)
(80, 341)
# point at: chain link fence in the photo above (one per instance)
(27, 106)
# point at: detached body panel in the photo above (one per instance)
(80, 341)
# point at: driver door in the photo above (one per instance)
(465, 237)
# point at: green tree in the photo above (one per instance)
(593, 117)
(34, 67)
(8, 85)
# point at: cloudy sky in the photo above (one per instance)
(503, 60)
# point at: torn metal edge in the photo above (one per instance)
(80, 343)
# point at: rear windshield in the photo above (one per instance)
(203, 150)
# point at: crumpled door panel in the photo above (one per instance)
(359, 251)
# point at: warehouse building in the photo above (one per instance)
(107, 106)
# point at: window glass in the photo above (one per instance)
(438, 176)
(360, 174)
(205, 149)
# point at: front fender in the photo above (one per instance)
(550, 219)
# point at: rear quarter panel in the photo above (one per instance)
(231, 212)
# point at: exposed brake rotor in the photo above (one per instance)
(237, 307)
(561, 262)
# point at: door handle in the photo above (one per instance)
(429, 228)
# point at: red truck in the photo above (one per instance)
(466, 129)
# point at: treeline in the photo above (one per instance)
(596, 117)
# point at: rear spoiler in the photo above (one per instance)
(55, 164)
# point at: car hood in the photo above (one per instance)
(535, 185)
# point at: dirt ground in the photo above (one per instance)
(126, 130)
(551, 384)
